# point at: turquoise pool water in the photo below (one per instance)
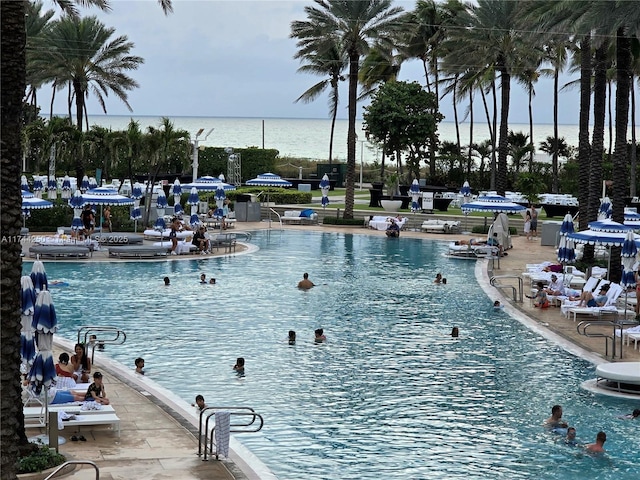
(390, 395)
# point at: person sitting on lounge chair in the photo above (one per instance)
(556, 287)
(588, 300)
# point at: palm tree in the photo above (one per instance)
(13, 78)
(82, 52)
(489, 41)
(354, 24)
(328, 62)
(36, 23)
(556, 54)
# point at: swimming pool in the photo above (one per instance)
(390, 395)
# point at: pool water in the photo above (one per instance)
(390, 395)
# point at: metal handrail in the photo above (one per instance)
(517, 293)
(74, 462)
(234, 412)
(279, 217)
(616, 324)
(88, 330)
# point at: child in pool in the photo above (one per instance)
(239, 366)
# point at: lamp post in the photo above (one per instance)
(361, 160)
(196, 141)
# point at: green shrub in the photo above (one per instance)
(41, 459)
(343, 221)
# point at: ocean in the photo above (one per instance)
(304, 138)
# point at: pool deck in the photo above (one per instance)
(157, 437)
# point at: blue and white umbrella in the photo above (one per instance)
(208, 184)
(37, 187)
(604, 232)
(161, 203)
(567, 225)
(27, 305)
(38, 276)
(193, 201)
(466, 189)
(27, 194)
(325, 186)
(160, 224)
(52, 188)
(220, 197)
(566, 250)
(492, 203)
(176, 190)
(76, 223)
(24, 184)
(628, 255)
(84, 185)
(194, 219)
(66, 187)
(414, 191)
(32, 203)
(269, 180)
(136, 193)
(93, 183)
(105, 196)
(178, 210)
(136, 213)
(43, 370)
(606, 209)
(76, 201)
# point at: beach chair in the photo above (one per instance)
(608, 308)
(592, 284)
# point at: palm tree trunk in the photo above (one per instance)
(470, 132)
(554, 160)
(584, 148)
(532, 147)
(623, 75)
(597, 141)
(610, 112)
(354, 59)
(455, 112)
(503, 144)
(633, 154)
(13, 74)
(493, 136)
(333, 128)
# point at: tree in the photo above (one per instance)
(401, 118)
(13, 79)
(488, 41)
(81, 52)
(354, 24)
(328, 61)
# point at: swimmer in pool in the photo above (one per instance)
(570, 439)
(632, 415)
(555, 420)
(597, 447)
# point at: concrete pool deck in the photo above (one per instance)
(158, 438)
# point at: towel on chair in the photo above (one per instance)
(222, 432)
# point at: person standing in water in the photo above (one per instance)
(305, 283)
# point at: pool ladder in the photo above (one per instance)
(246, 425)
(116, 336)
(279, 218)
(517, 292)
(584, 326)
(61, 469)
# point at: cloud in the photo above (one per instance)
(235, 58)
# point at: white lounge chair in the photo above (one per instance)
(592, 284)
(608, 308)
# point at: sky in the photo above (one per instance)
(234, 58)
